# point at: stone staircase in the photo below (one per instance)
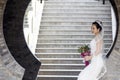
(65, 26)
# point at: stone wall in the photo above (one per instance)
(17, 62)
(9, 68)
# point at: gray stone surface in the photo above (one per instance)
(9, 68)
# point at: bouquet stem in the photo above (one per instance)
(86, 63)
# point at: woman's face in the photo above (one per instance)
(94, 29)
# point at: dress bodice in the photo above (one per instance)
(93, 46)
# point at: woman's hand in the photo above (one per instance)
(87, 58)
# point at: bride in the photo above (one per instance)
(96, 69)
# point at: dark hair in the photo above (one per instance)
(98, 26)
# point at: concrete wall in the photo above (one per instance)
(9, 68)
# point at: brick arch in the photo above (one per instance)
(13, 21)
(14, 37)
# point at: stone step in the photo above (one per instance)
(38, 44)
(53, 6)
(59, 72)
(72, 23)
(83, 29)
(71, 32)
(65, 45)
(54, 70)
(67, 36)
(85, 11)
(78, 9)
(61, 50)
(57, 76)
(73, 14)
(69, 0)
(77, 0)
(59, 56)
(85, 39)
(75, 48)
(81, 7)
(42, 77)
(76, 18)
(76, 3)
(72, 36)
(60, 60)
(82, 64)
(70, 27)
(69, 41)
(74, 0)
(63, 31)
(73, 20)
(62, 67)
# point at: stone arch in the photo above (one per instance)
(14, 38)
(117, 25)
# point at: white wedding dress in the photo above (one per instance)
(96, 69)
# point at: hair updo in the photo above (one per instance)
(97, 24)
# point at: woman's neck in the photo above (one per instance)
(96, 34)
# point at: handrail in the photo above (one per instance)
(103, 1)
(40, 1)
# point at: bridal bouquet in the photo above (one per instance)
(85, 51)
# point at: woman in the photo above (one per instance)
(96, 69)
